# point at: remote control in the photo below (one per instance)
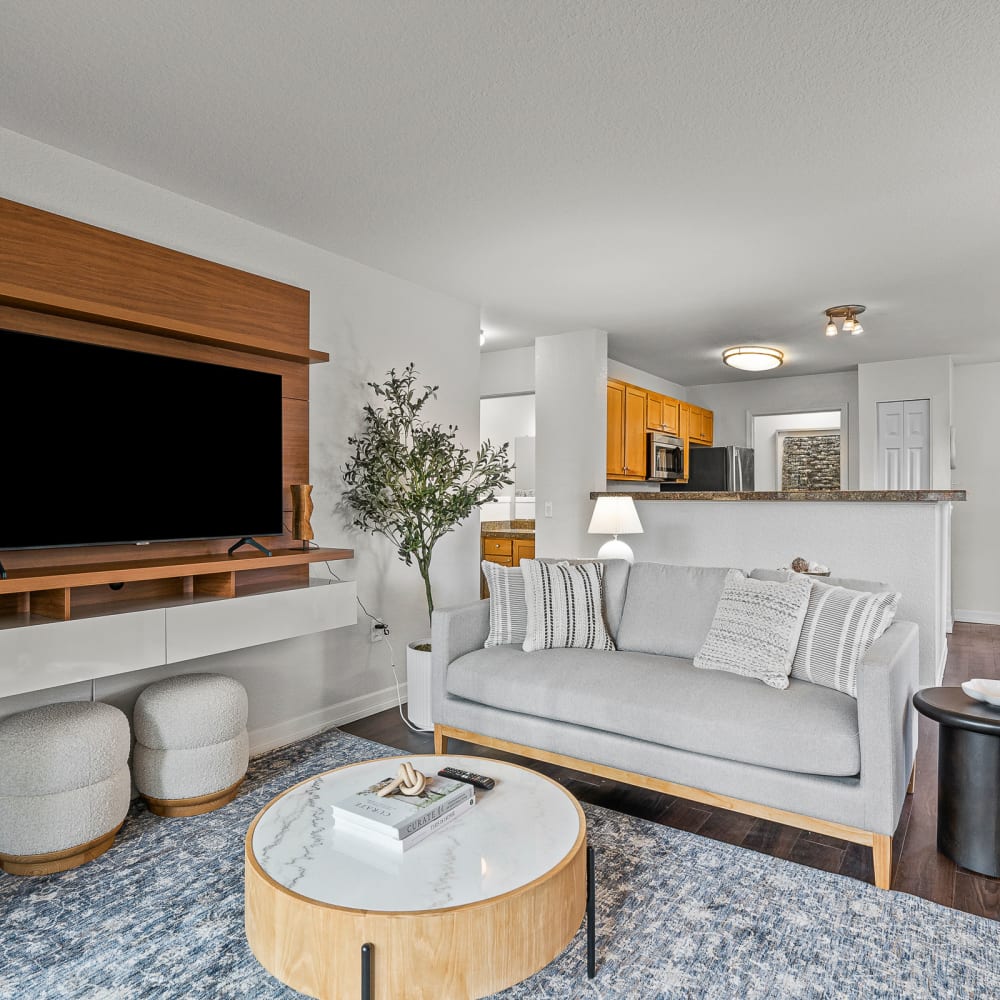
(479, 780)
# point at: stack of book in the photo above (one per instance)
(398, 822)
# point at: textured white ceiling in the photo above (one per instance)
(686, 175)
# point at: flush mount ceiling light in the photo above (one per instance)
(753, 359)
(849, 315)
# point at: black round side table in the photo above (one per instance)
(968, 828)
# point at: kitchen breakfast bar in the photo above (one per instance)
(899, 537)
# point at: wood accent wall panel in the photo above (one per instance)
(55, 264)
(139, 296)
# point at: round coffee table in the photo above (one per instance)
(968, 827)
(476, 907)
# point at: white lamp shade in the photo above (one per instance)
(615, 516)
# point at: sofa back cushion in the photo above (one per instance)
(850, 582)
(669, 609)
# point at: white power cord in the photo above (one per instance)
(392, 657)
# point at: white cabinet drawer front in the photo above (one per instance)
(216, 626)
(46, 655)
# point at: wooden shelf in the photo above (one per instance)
(51, 592)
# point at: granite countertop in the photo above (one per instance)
(828, 496)
(508, 529)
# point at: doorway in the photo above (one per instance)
(803, 450)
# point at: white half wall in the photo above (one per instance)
(894, 543)
(734, 403)
(368, 321)
(976, 522)
(916, 378)
(571, 406)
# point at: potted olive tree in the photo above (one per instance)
(413, 482)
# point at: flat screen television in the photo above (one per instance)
(104, 445)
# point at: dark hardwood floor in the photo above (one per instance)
(918, 868)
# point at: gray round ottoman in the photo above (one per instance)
(191, 745)
(64, 785)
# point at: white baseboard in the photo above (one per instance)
(293, 730)
(977, 617)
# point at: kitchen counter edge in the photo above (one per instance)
(799, 496)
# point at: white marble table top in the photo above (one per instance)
(516, 832)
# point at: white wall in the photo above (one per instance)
(571, 405)
(507, 373)
(765, 442)
(733, 403)
(368, 321)
(503, 418)
(636, 376)
(976, 521)
(917, 378)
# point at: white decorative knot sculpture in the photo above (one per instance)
(408, 781)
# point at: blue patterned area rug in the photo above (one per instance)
(161, 915)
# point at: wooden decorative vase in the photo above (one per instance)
(302, 508)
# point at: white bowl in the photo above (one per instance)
(983, 689)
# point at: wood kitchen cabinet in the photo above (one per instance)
(505, 552)
(626, 447)
(702, 427)
(662, 414)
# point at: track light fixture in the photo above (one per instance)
(849, 315)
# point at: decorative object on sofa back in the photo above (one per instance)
(756, 628)
(565, 605)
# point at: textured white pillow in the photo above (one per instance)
(839, 627)
(756, 628)
(565, 603)
(508, 611)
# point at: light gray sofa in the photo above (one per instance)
(807, 756)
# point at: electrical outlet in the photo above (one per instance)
(548, 508)
(378, 631)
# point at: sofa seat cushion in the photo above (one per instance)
(805, 728)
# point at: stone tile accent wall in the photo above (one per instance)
(811, 462)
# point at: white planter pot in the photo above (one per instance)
(418, 684)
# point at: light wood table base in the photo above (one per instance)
(456, 953)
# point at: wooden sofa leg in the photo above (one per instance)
(440, 741)
(882, 858)
(913, 779)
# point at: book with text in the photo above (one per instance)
(398, 844)
(400, 816)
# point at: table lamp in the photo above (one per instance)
(615, 516)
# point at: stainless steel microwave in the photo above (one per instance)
(664, 458)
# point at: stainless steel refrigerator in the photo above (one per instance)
(719, 469)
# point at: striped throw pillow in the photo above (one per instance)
(565, 603)
(839, 627)
(508, 611)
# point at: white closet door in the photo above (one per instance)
(904, 445)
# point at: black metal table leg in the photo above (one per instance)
(591, 916)
(366, 972)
